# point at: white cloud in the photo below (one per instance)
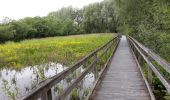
(17, 9)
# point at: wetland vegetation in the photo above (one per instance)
(65, 50)
(28, 63)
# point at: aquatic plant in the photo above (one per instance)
(65, 50)
(7, 89)
(74, 95)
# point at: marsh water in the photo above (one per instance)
(14, 84)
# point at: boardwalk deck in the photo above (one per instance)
(123, 80)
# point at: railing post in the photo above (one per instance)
(134, 49)
(49, 94)
(44, 96)
(149, 71)
(106, 55)
(149, 75)
(132, 46)
(95, 67)
(111, 46)
(140, 59)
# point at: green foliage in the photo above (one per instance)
(74, 95)
(6, 33)
(65, 21)
(7, 89)
(99, 17)
(148, 21)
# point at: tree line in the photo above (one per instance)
(94, 18)
(146, 20)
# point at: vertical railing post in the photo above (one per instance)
(95, 66)
(49, 95)
(134, 49)
(106, 57)
(111, 46)
(139, 59)
(149, 71)
(149, 75)
(44, 96)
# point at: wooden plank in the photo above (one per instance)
(121, 78)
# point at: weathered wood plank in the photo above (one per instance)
(123, 79)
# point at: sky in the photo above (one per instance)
(16, 9)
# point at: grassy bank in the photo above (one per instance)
(66, 50)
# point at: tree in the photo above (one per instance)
(6, 33)
(146, 20)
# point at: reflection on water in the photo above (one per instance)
(15, 84)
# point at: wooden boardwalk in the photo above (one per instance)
(123, 79)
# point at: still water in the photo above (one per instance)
(14, 84)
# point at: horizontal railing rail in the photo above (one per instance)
(44, 90)
(154, 56)
(150, 58)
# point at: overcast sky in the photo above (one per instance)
(16, 9)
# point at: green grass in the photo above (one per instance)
(65, 50)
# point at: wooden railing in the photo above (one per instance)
(153, 61)
(95, 62)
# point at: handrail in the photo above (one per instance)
(102, 72)
(145, 80)
(149, 56)
(44, 90)
(153, 55)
